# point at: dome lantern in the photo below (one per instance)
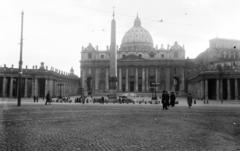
(137, 22)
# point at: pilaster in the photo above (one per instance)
(236, 89)
(143, 80)
(136, 80)
(120, 80)
(107, 79)
(228, 90)
(217, 89)
(126, 79)
(25, 87)
(11, 87)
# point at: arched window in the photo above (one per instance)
(102, 56)
(140, 55)
(123, 56)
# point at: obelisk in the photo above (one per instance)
(113, 60)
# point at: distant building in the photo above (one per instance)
(38, 81)
(216, 72)
(139, 65)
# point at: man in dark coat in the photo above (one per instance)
(167, 98)
(189, 100)
(102, 100)
(172, 99)
(36, 98)
(164, 100)
(48, 98)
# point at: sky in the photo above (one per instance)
(55, 30)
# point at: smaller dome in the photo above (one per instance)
(176, 46)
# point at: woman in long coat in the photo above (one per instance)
(172, 99)
(189, 100)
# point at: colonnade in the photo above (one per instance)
(139, 82)
(37, 87)
(216, 89)
(231, 87)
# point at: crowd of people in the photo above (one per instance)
(167, 100)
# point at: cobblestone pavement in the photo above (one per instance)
(97, 127)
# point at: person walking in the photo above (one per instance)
(189, 100)
(102, 100)
(164, 100)
(34, 98)
(172, 99)
(48, 98)
(167, 99)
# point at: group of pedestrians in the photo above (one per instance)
(166, 98)
(170, 100)
(35, 98)
(80, 99)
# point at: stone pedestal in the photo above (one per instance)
(112, 89)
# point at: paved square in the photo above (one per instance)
(111, 127)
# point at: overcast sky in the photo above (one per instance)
(55, 30)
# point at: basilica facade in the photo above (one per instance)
(141, 67)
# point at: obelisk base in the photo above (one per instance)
(112, 89)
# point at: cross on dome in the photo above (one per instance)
(137, 22)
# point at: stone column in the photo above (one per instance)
(4, 87)
(136, 80)
(221, 89)
(236, 89)
(217, 89)
(143, 80)
(120, 79)
(147, 81)
(11, 87)
(167, 79)
(156, 78)
(182, 86)
(126, 79)
(96, 79)
(107, 80)
(36, 87)
(228, 90)
(50, 85)
(46, 86)
(26, 87)
(206, 89)
(202, 88)
(33, 88)
(56, 88)
(63, 88)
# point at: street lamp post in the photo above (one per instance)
(20, 72)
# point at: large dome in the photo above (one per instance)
(137, 38)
